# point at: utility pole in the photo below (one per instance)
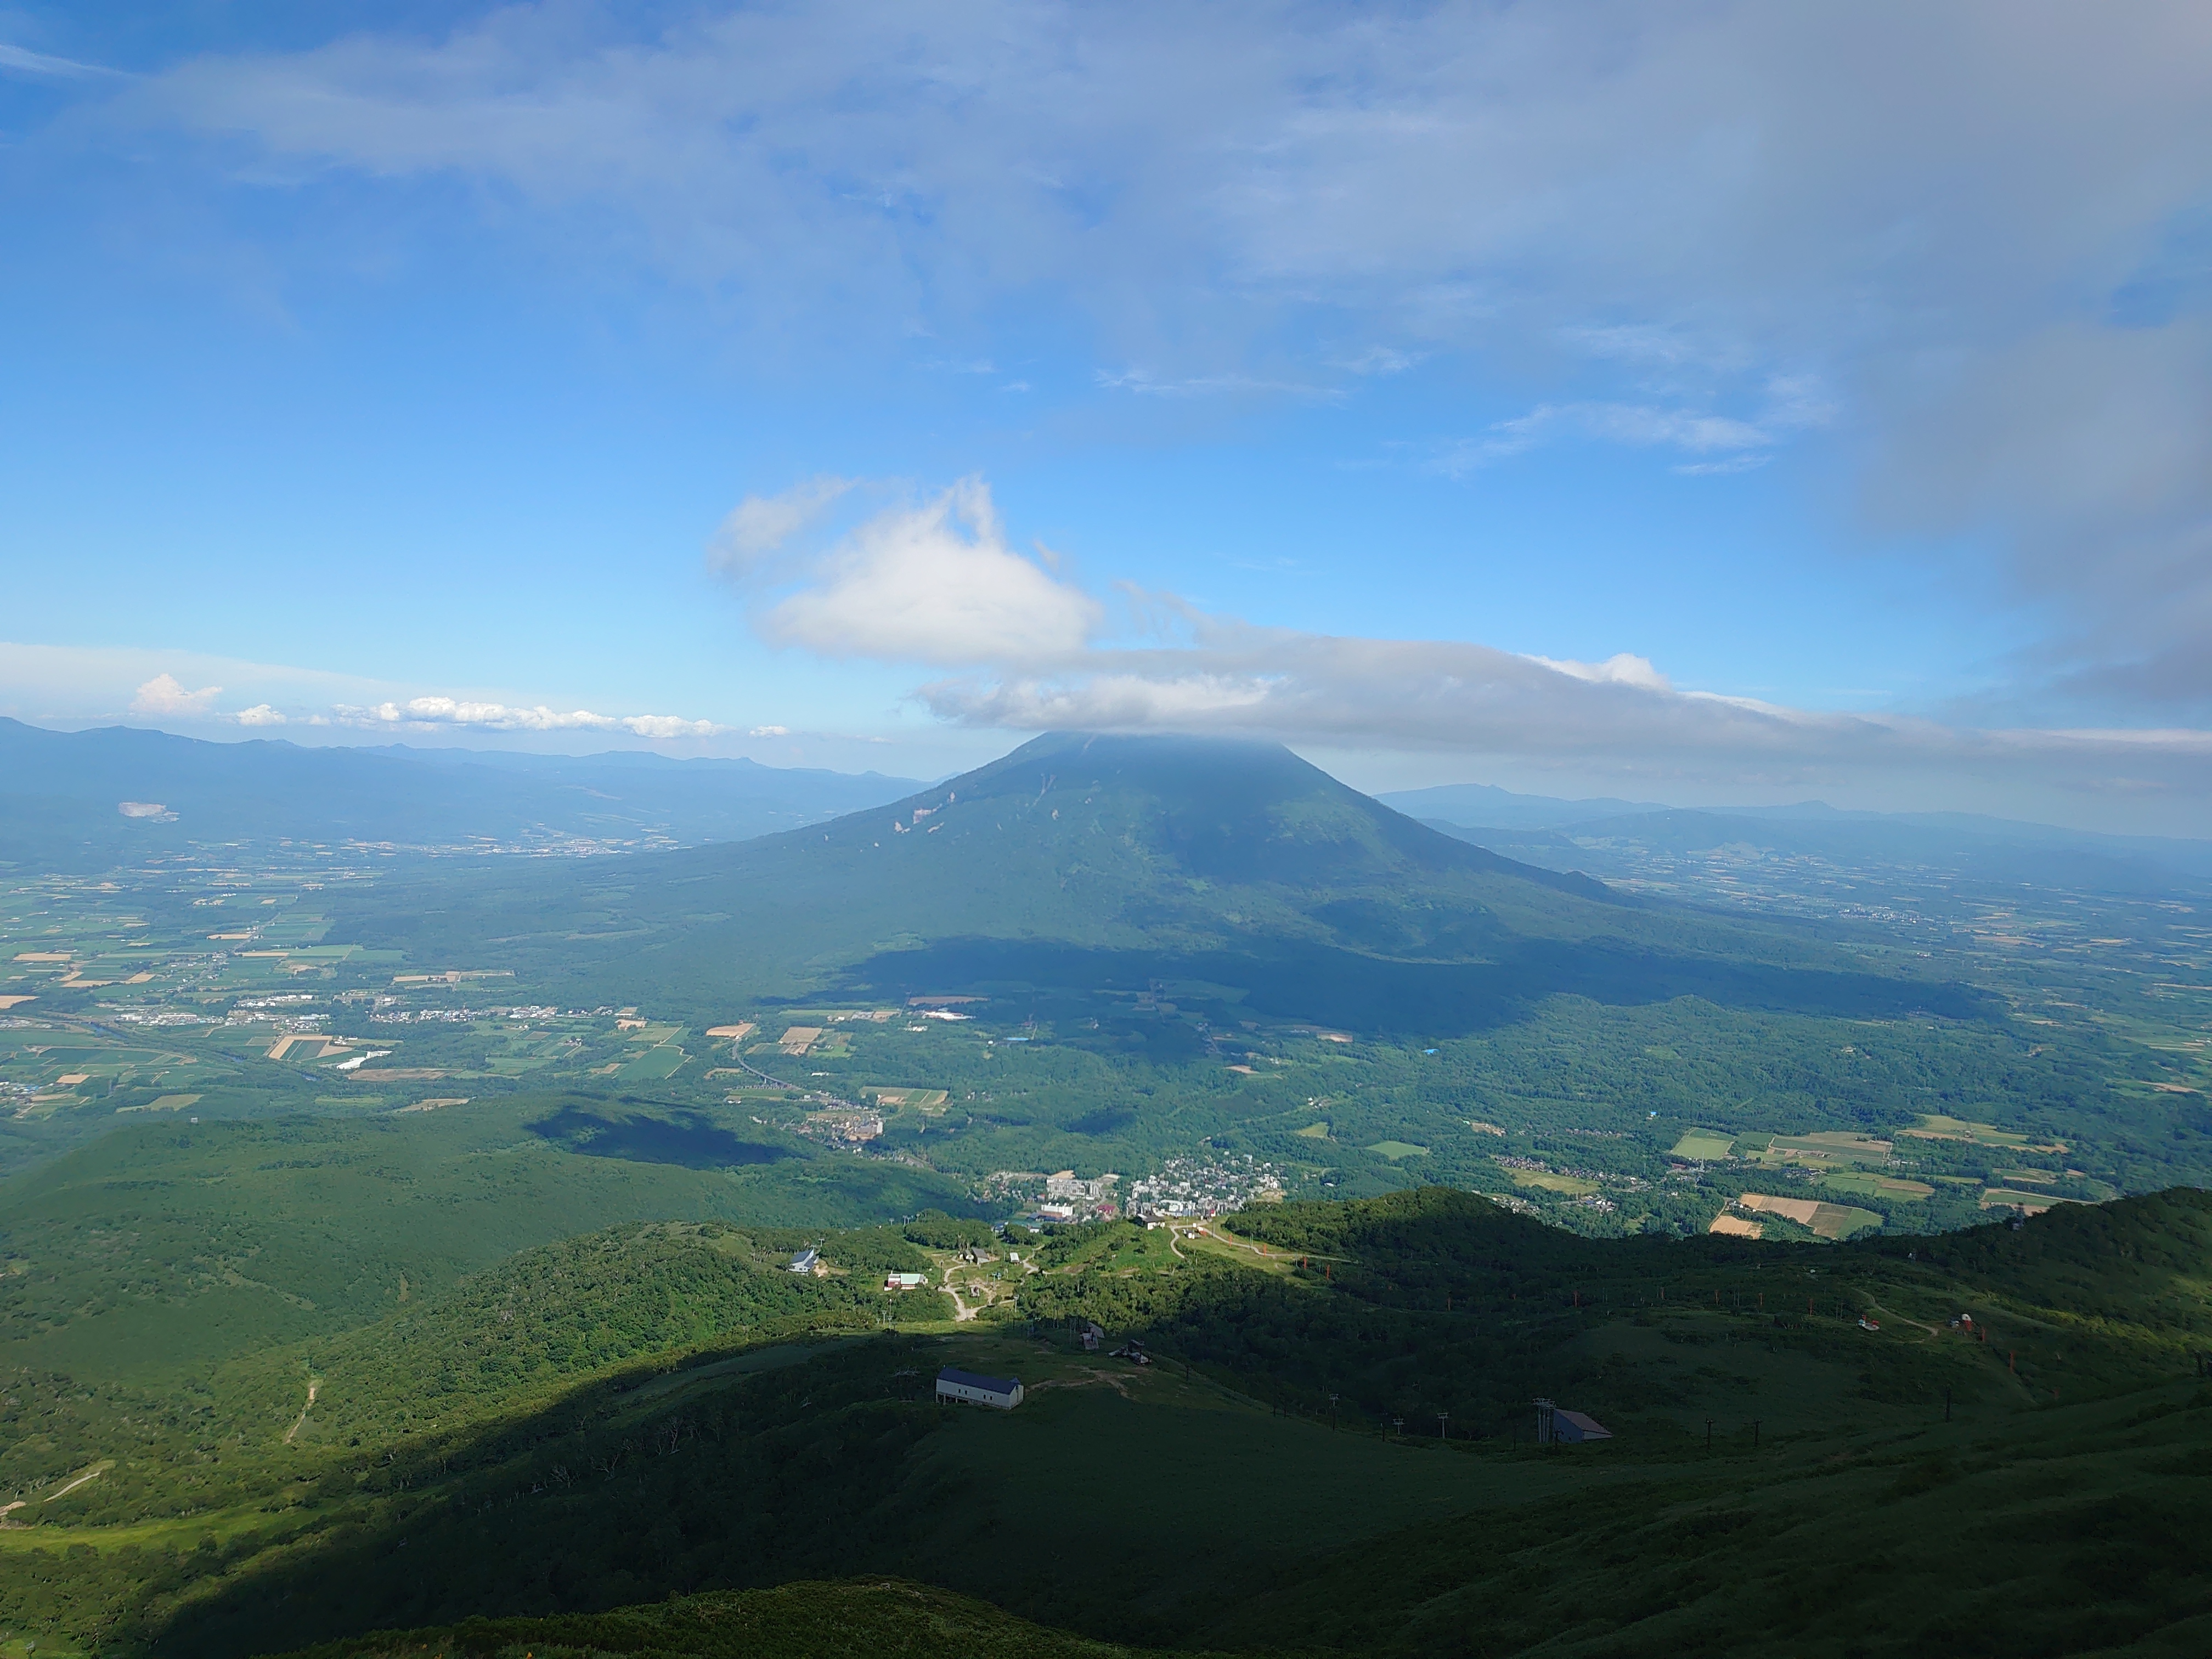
(1441, 1416)
(1399, 1425)
(1332, 1411)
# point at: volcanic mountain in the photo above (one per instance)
(1082, 863)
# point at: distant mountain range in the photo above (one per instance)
(86, 801)
(1572, 833)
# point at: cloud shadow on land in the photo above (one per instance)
(1371, 993)
(689, 1138)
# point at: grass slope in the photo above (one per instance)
(846, 1619)
(1220, 1496)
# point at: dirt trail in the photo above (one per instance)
(92, 1474)
(312, 1385)
(961, 1310)
(1901, 1319)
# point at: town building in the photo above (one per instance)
(905, 1281)
(970, 1387)
(1065, 1185)
(805, 1263)
(852, 1125)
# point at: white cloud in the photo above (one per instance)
(76, 683)
(932, 582)
(454, 712)
(1792, 404)
(165, 694)
(936, 583)
(24, 61)
(670, 725)
(1721, 469)
(1619, 668)
(759, 526)
(1382, 359)
(1622, 715)
(1146, 383)
(1975, 218)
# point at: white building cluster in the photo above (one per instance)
(1205, 1187)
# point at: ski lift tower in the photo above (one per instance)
(1544, 1431)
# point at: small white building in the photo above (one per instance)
(1002, 1393)
(1574, 1427)
(805, 1263)
(905, 1281)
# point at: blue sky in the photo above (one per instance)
(1708, 403)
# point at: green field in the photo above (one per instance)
(1867, 1185)
(1701, 1144)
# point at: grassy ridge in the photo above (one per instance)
(1219, 1496)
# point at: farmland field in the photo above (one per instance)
(1824, 1220)
(1699, 1145)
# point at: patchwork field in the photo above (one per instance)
(1824, 1220)
(1879, 1186)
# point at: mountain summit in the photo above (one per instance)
(1214, 810)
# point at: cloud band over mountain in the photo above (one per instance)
(935, 582)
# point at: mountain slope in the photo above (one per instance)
(1080, 863)
(1806, 1452)
(869, 1619)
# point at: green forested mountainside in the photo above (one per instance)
(564, 1310)
(868, 1619)
(1439, 1301)
(157, 1252)
(597, 1423)
(1098, 863)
